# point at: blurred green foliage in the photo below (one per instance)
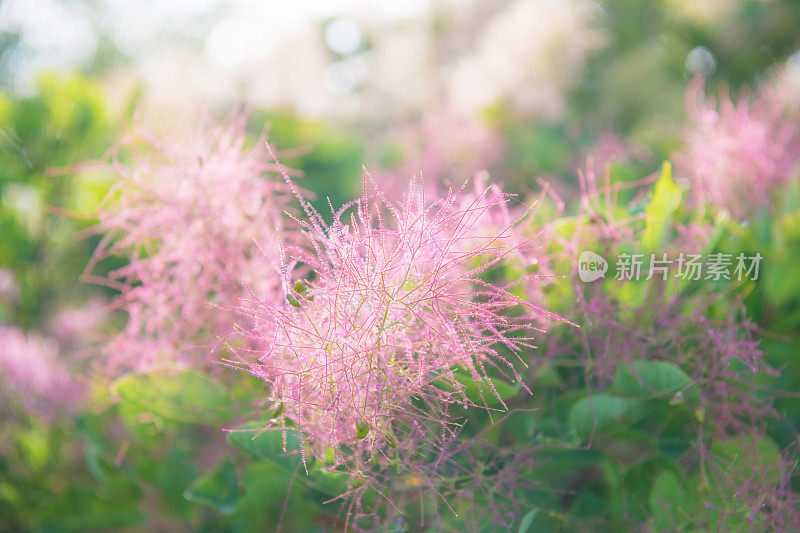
(330, 159)
(43, 202)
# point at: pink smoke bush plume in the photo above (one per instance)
(74, 327)
(391, 323)
(197, 217)
(32, 375)
(737, 154)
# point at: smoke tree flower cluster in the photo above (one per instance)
(738, 153)
(390, 322)
(33, 375)
(73, 327)
(197, 215)
(426, 352)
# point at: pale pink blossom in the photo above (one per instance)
(33, 376)
(737, 153)
(73, 325)
(196, 215)
(392, 320)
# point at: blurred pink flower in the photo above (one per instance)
(737, 153)
(783, 87)
(393, 319)
(446, 147)
(32, 374)
(692, 237)
(197, 217)
(610, 149)
(71, 326)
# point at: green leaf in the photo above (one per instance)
(637, 483)
(267, 488)
(650, 378)
(328, 482)
(740, 457)
(172, 474)
(218, 488)
(667, 502)
(268, 445)
(600, 414)
(660, 210)
(184, 397)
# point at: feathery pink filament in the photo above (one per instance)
(395, 309)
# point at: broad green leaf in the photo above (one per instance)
(218, 488)
(649, 378)
(557, 465)
(328, 482)
(666, 502)
(599, 414)
(660, 210)
(267, 488)
(268, 445)
(589, 504)
(172, 474)
(790, 225)
(638, 482)
(740, 457)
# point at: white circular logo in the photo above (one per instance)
(591, 266)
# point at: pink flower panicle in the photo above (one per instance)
(74, 327)
(378, 342)
(736, 154)
(196, 215)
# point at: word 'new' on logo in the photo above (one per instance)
(591, 266)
